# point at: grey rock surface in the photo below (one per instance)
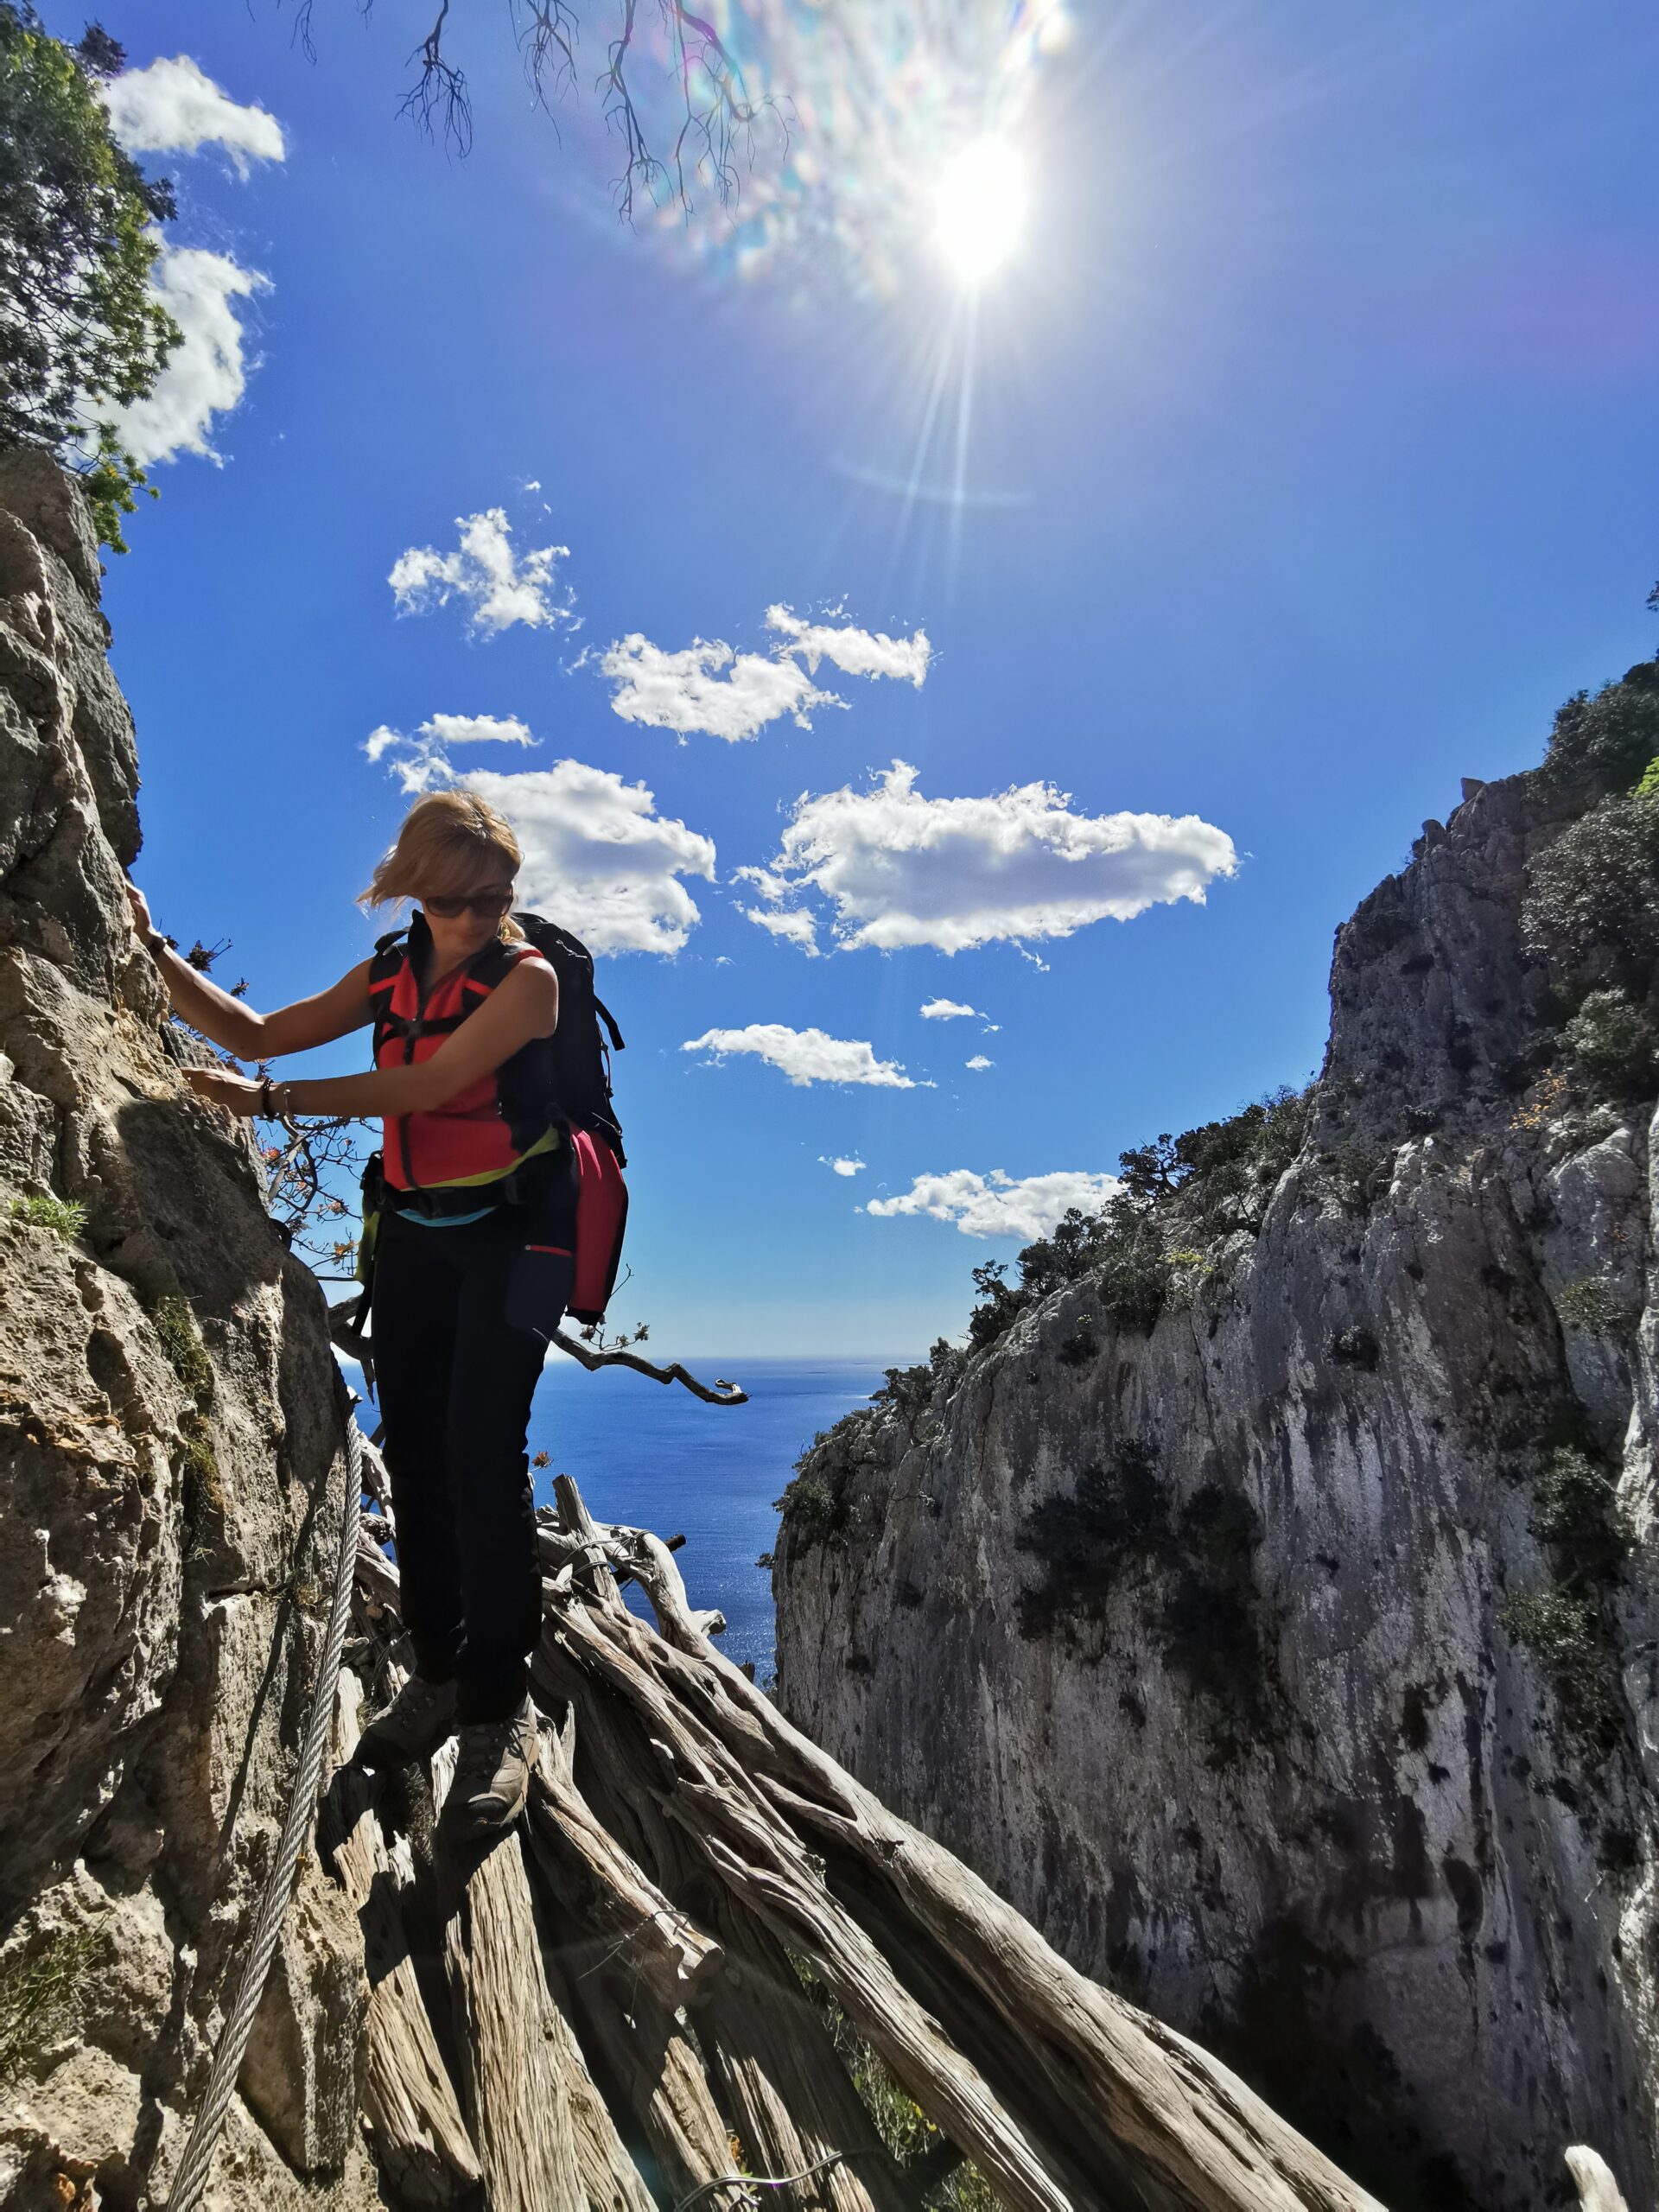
(1277, 1760)
(170, 1486)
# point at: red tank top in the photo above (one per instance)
(467, 1139)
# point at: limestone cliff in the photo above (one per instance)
(168, 1511)
(1265, 1604)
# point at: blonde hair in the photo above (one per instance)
(451, 843)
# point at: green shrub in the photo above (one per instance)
(1648, 784)
(1589, 1306)
(1562, 1630)
(1576, 1510)
(811, 1510)
(1592, 904)
(1607, 740)
(37, 1996)
(1616, 1043)
(66, 1217)
(175, 1325)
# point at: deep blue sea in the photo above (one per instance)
(659, 1458)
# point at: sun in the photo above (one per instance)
(980, 204)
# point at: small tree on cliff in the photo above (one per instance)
(81, 334)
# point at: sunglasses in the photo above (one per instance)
(490, 906)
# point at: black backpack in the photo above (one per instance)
(568, 1074)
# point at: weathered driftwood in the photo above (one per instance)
(1144, 2103)
(685, 1846)
(654, 2064)
(413, 2119)
(601, 1887)
(518, 2101)
(754, 1853)
(781, 2075)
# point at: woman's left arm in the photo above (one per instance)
(524, 1005)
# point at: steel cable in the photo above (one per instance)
(191, 2176)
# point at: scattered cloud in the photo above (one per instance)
(688, 691)
(498, 586)
(597, 855)
(422, 761)
(205, 374)
(707, 687)
(947, 1010)
(855, 651)
(998, 1204)
(844, 1166)
(805, 1055)
(171, 107)
(901, 869)
(978, 1062)
(795, 924)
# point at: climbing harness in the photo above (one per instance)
(191, 2176)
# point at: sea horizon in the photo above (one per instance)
(659, 1458)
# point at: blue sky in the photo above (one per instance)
(1302, 459)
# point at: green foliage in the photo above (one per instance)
(175, 1325)
(112, 480)
(81, 335)
(1562, 1630)
(1616, 1043)
(810, 1507)
(37, 1996)
(1648, 786)
(1576, 1510)
(1606, 741)
(1589, 1304)
(1592, 907)
(1137, 1253)
(68, 1217)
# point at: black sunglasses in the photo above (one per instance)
(491, 905)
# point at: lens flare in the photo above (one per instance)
(979, 207)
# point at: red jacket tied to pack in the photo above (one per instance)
(455, 1156)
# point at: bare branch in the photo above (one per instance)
(723, 1393)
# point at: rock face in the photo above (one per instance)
(169, 1497)
(1262, 1655)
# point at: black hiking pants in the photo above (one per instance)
(462, 1316)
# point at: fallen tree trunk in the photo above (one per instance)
(519, 2099)
(420, 2139)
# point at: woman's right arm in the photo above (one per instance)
(238, 1029)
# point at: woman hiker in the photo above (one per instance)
(465, 1294)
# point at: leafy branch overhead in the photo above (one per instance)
(82, 334)
(709, 139)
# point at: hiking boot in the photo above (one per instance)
(491, 1775)
(412, 1726)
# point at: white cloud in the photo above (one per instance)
(900, 869)
(205, 374)
(948, 1010)
(687, 692)
(172, 107)
(422, 761)
(805, 1055)
(797, 925)
(842, 1166)
(855, 653)
(708, 687)
(498, 586)
(978, 1062)
(597, 855)
(998, 1204)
